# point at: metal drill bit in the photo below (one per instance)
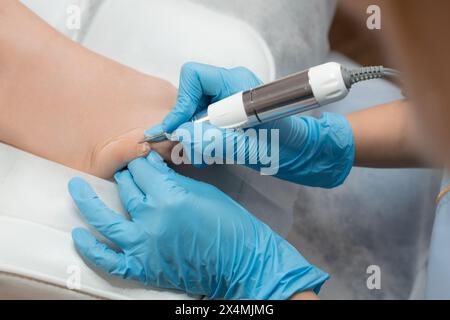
(202, 117)
(156, 138)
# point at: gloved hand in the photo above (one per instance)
(313, 152)
(188, 235)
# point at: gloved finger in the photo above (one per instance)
(157, 129)
(201, 85)
(154, 177)
(131, 196)
(242, 79)
(98, 253)
(198, 79)
(198, 83)
(171, 174)
(109, 223)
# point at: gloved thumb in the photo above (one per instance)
(182, 112)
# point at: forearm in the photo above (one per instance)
(67, 104)
(386, 137)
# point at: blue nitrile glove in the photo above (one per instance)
(313, 152)
(188, 235)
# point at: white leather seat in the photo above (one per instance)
(37, 257)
